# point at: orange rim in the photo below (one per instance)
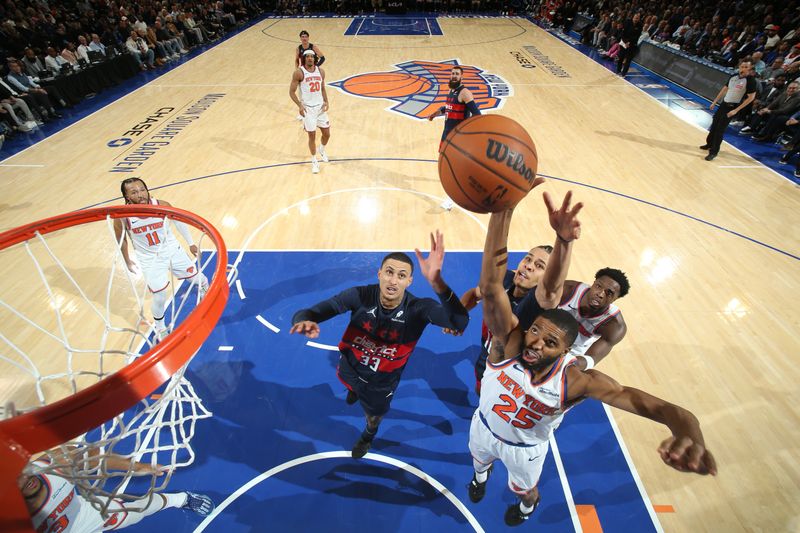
(53, 424)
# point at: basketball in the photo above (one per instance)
(487, 163)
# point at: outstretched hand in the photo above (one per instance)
(306, 327)
(685, 455)
(564, 220)
(431, 267)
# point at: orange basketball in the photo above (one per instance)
(487, 163)
(386, 84)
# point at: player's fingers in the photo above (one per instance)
(710, 463)
(694, 458)
(678, 449)
(576, 209)
(663, 448)
(537, 181)
(567, 201)
(548, 202)
(418, 253)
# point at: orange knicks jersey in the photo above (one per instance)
(311, 87)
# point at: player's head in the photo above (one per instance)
(309, 58)
(609, 285)
(550, 336)
(394, 277)
(135, 191)
(304, 37)
(455, 77)
(530, 270)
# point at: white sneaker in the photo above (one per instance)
(201, 291)
(25, 127)
(314, 167)
(447, 205)
(323, 154)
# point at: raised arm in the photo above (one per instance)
(684, 451)
(497, 311)
(451, 314)
(565, 223)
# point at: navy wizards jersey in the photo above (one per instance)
(378, 342)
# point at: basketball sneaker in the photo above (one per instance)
(447, 205)
(199, 503)
(322, 153)
(514, 515)
(361, 448)
(314, 167)
(161, 334)
(477, 490)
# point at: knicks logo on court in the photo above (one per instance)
(420, 87)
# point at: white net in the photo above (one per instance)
(72, 314)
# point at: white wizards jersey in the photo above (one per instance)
(149, 235)
(517, 410)
(588, 326)
(63, 509)
(311, 87)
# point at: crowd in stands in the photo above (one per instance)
(766, 33)
(41, 40)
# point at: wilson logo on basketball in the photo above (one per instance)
(420, 87)
(514, 160)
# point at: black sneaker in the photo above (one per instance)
(515, 516)
(797, 173)
(478, 490)
(352, 397)
(199, 503)
(704, 147)
(785, 159)
(361, 448)
(710, 157)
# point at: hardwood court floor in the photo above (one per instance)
(711, 251)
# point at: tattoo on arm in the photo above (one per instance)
(502, 255)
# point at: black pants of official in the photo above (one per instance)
(718, 125)
(624, 58)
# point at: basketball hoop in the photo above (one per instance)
(94, 417)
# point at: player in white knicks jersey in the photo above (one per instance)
(56, 506)
(312, 104)
(157, 250)
(531, 381)
(601, 324)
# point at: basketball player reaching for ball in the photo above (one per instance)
(55, 504)
(313, 105)
(157, 250)
(601, 324)
(459, 106)
(386, 321)
(524, 392)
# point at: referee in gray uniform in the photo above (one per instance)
(738, 94)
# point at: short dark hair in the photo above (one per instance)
(459, 68)
(398, 256)
(546, 247)
(128, 181)
(304, 32)
(564, 321)
(618, 276)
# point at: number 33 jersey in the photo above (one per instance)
(518, 410)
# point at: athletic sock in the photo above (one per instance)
(524, 508)
(175, 499)
(481, 477)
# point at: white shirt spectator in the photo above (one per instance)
(82, 52)
(53, 64)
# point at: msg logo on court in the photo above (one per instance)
(420, 87)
